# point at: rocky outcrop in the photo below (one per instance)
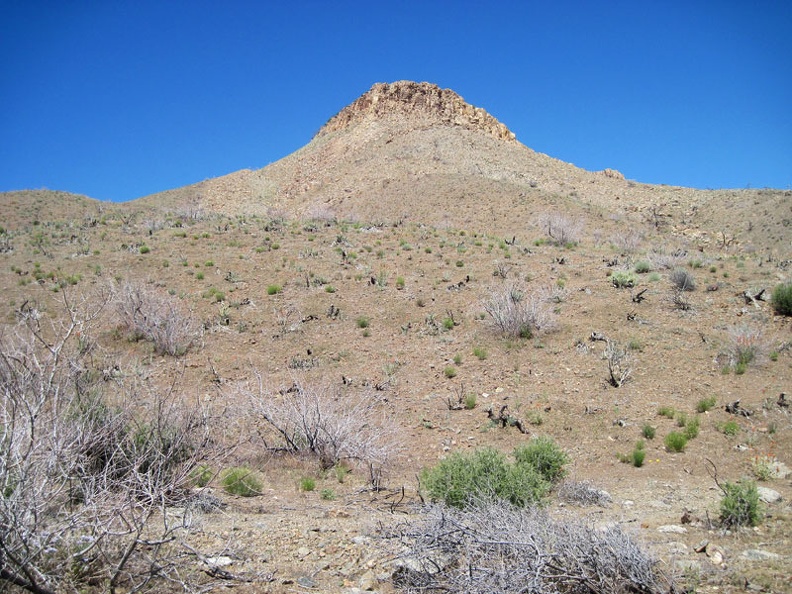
(423, 100)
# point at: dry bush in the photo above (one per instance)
(628, 240)
(562, 230)
(666, 261)
(496, 547)
(681, 279)
(321, 420)
(88, 467)
(746, 345)
(517, 315)
(148, 315)
(619, 367)
(583, 493)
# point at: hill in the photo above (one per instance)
(375, 266)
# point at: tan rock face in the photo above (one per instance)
(417, 99)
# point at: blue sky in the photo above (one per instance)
(117, 100)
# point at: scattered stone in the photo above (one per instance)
(303, 552)
(687, 565)
(306, 582)
(672, 529)
(715, 555)
(368, 581)
(677, 548)
(768, 495)
(759, 555)
(702, 546)
(219, 561)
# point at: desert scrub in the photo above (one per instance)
(307, 484)
(706, 404)
(363, 322)
(480, 353)
(201, 475)
(450, 371)
(729, 428)
(642, 267)
(623, 279)
(782, 299)
(470, 401)
(739, 505)
(691, 428)
(681, 279)
(765, 467)
(274, 289)
(517, 315)
(667, 412)
(241, 481)
(746, 345)
(545, 455)
(675, 441)
(461, 478)
(648, 431)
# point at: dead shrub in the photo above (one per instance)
(496, 547)
(516, 315)
(619, 363)
(89, 467)
(148, 315)
(320, 420)
(561, 229)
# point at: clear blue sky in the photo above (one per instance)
(118, 100)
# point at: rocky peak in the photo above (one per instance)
(417, 100)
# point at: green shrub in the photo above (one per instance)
(307, 484)
(480, 353)
(782, 299)
(327, 494)
(274, 289)
(675, 441)
(144, 249)
(450, 371)
(470, 401)
(545, 455)
(457, 359)
(739, 505)
(638, 456)
(241, 481)
(730, 428)
(198, 275)
(643, 267)
(201, 475)
(706, 404)
(448, 323)
(622, 279)
(692, 428)
(666, 411)
(648, 431)
(460, 478)
(363, 322)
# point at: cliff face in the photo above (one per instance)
(420, 100)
